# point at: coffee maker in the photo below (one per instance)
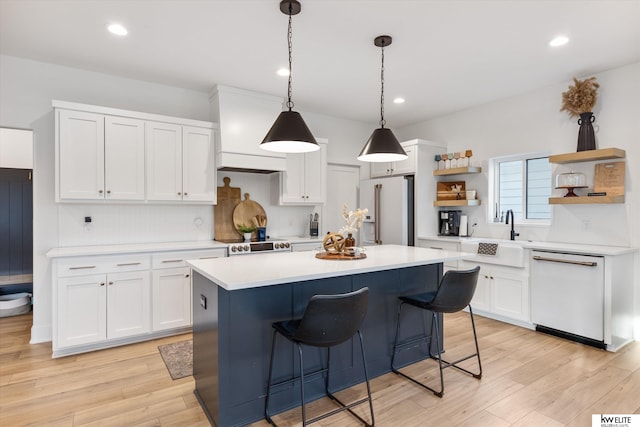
(449, 223)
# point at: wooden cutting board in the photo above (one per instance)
(246, 211)
(228, 199)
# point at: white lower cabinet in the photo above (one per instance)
(105, 300)
(103, 306)
(171, 298)
(502, 293)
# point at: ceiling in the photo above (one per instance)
(446, 55)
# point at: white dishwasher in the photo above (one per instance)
(567, 295)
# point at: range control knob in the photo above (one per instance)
(233, 249)
(277, 245)
(239, 248)
(286, 245)
(247, 248)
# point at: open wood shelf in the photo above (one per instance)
(588, 156)
(473, 202)
(585, 200)
(457, 171)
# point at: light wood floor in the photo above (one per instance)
(530, 379)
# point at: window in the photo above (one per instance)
(523, 184)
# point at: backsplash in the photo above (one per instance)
(149, 223)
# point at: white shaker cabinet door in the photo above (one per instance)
(315, 175)
(292, 190)
(80, 155)
(124, 158)
(198, 166)
(82, 304)
(171, 298)
(408, 165)
(163, 144)
(128, 304)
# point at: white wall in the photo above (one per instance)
(532, 122)
(16, 148)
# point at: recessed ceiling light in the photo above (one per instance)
(559, 41)
(398, 100)
(284, 72)
(117, 29)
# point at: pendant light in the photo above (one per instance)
(289, 133)
(382, 145)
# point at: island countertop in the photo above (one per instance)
(253, 271)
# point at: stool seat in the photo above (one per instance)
(328, 320)
(454, 293)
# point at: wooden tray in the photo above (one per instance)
(245, 213)
(340, 257)
(228, 198)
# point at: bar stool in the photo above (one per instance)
(328, 320)
(453, 294)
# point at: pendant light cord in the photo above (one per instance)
(382, 121)
(289, 40)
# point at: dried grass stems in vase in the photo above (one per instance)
(579, 101)
(581, 97)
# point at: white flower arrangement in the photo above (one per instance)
(353, 219)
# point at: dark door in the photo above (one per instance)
(16, 222)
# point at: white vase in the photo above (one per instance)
(247, 237)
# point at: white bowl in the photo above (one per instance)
(471, 194)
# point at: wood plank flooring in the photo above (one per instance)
(530, 379)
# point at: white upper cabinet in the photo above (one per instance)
(100, 157)
(180, 164)
(117, 155)
(305, 180)
(164, 161)
(403, 167)
(80, 155)
(198, 166)
(124, 158)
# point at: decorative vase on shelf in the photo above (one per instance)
(349, 241)
(586, 134)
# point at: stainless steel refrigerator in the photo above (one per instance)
(390, 219)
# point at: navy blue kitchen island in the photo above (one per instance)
(235, 301)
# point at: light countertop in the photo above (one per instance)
(252, 271)
(73, 251)
(579, 248)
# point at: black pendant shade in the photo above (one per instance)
(289, 134)
(382, 146)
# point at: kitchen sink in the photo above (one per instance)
(508, 253)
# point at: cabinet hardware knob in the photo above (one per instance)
(110, 283)
(99, 191)
(108, 191)
(491, 277)
(186, 275)
(101, 283)
(185, 194)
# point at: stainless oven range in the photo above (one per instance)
(246, 248)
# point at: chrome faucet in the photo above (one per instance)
(513, 221)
